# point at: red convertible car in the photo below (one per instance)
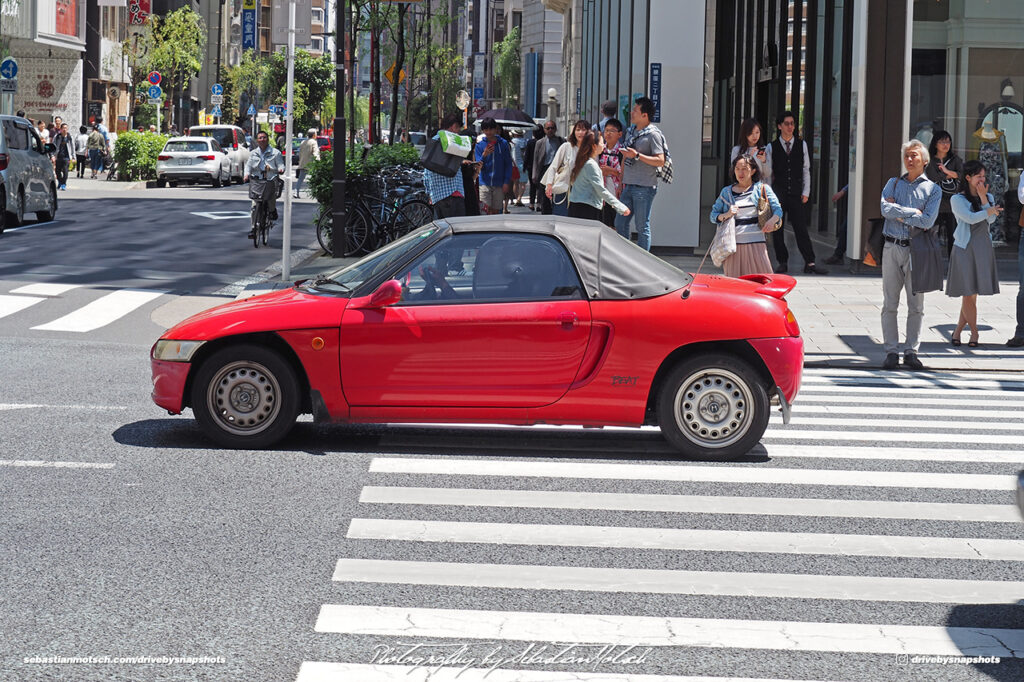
(499, 319)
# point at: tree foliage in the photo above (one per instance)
(178, 47)
(446, 73)
(314, 83)
(507, 66)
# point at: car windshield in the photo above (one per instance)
(350, 277)
(323, 141)
(187, 146)
(417, 138)
(224, 137)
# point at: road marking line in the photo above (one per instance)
(693, 474)
(778, 432)
(653, 631)
(55, 465)
(321, 671)
(29, 227)
(691, 504)
(904, 411)
(687, 539)
(45, 289)
(12, 304)
(222, 215)
(957, 426)
(949, 398)
(102, 311)
(774, 450)
(661, 581)
(891, 391)
(917, 382)
(22, 406)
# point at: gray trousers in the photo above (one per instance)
(896, 278)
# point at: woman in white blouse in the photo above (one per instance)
(556, 178)
(752, 140)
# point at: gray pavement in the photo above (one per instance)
(839, 315)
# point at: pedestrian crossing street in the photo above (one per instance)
(873, 538)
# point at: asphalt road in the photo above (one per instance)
(878, 523)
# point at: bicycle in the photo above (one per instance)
(373, 221)
(264, 191)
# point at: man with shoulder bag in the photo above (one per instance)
(446, 191)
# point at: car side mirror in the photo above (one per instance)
(388, 293)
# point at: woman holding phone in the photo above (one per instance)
(752, 140)
(972, 264)
(588, 194)
(945, 169)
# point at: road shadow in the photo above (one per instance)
(997, 622)
(330, 439)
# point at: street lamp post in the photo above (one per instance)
(552, 104)
(338, 181)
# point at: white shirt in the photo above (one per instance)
(1020, 190)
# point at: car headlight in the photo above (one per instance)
(171, 350)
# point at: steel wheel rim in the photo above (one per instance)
(714, 408)
(244, 397)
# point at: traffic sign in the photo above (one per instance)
(9, 68)
(390, 75)
(478, 93)
(216, 99)
(154, 100)
(217, 89)
(154, 78)
(155, 91)
(252, 110)
(215, 112)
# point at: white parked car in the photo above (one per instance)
(193, 159)
(27, 180)
(232, 140)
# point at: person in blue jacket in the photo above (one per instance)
(495, 155)
(739, 201)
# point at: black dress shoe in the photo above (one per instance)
(910, 361)
(781, 268)
(252, 233)
(892, 361)
(1016, 342)
(812, 269)
(834, 260)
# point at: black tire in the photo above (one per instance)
(161, 183)
(3, 209)
(172, 183)
(265, 232)
(245, 396)
(713, 406)
(215, 181)
(16, 217)
(412, 214)
(257, 224)
(47, 216)
(324, 226)
(358, 232)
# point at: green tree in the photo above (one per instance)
(136, 51)
(179, 48)
(507, 66)
(248, 77)
(446, 69)
(314, 74)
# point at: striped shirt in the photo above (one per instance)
(747, 229)
(910, 197)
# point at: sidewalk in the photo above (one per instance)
(839, 316)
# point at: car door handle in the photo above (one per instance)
(568, 319)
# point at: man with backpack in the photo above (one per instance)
(644, 152)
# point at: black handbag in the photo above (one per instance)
(436, 159)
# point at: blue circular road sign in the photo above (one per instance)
(155, 92)
(217, 89)
(9, 68)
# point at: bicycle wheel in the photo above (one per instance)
(265, 232)
(357, 232)
(412, 214)
(324, 228)
(257, 224)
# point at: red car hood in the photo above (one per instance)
(275, 311)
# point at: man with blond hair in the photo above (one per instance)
(911, 200)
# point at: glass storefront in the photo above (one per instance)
(967, 78)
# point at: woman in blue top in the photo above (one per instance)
(972, 264)
(587, 193)
(739, 201)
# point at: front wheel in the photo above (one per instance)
(245, 396)
(713, 406)
(259, 217)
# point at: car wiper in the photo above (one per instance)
(324, 279)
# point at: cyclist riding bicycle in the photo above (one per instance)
(262, 161)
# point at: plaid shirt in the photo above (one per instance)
(440, 187)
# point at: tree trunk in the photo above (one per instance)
(396, 84)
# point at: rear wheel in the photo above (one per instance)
(713, 406)
(3, 210)
(16, 212)
(215, 180)
(245, 396)
(358, 232)
(257, 224)
(161, 182)
(411, 215)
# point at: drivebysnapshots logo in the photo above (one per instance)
(907, 659)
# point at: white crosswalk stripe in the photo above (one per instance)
(102, 311)
(885, 490)
(13, 304)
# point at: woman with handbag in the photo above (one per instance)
(972, 264)
(945, 169)
(556, 177)
(587, 193)
(755, 211)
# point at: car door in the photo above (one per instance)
(19, 162)
(485, 320)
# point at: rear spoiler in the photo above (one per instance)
(773, 285)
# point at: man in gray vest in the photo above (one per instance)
(791, 180)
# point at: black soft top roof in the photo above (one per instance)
(612, 268)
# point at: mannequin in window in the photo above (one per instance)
(988, 145)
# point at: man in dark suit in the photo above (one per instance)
(543, 155)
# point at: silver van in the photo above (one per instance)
(29, 183)
(232, 140)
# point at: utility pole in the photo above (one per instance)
(286, 239)
(338, 180)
